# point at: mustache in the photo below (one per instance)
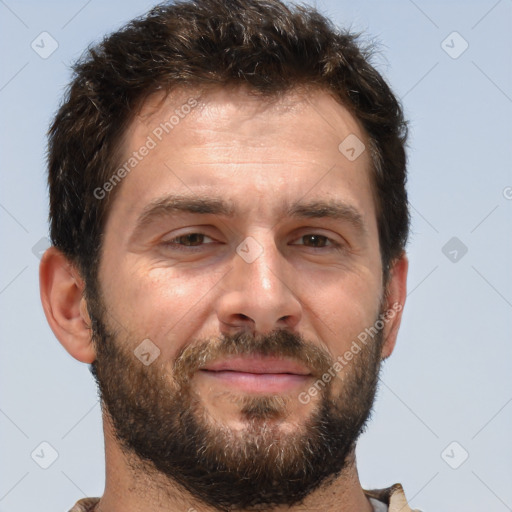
(278, 343)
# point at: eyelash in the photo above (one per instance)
(194, 248)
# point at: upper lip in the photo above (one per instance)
(258, 364)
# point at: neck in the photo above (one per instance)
(132, 486)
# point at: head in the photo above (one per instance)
(229, 217)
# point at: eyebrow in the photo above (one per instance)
(330, 209)
(316, 209)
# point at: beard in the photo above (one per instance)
(164, 428)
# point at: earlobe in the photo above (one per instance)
(61, 289)
(396, 293)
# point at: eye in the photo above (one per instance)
(194, 241)
(317, 241)
(182, 242)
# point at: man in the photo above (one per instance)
(228, 217)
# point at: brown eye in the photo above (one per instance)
(315, 240)
(192, 240)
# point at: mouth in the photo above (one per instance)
(257, 374)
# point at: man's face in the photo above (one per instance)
(243, 248)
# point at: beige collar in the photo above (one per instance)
(393, 497)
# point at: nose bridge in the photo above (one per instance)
(257, 294)
(262, 265)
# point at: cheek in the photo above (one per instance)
(343, 309)
(160, 305)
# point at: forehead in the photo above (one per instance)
(248, 149)
(244, 114)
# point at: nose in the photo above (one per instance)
(258, 294)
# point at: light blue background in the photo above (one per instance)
(449, 378)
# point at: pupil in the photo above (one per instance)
(193, 237)
(315, 238)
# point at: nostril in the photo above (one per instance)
(238, 322)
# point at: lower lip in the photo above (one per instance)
(258, 382)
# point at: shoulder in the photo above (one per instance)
(393, 497)
(85, 505)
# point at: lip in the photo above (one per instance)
(258, 365)
(257, 374)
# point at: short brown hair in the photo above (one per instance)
(263, 44)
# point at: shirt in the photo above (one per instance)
(390, 499)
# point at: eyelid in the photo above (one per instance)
(172, 241)
(334, 242)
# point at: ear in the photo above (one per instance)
(396, 292)
(65, 307)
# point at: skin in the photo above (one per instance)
(260, 156)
